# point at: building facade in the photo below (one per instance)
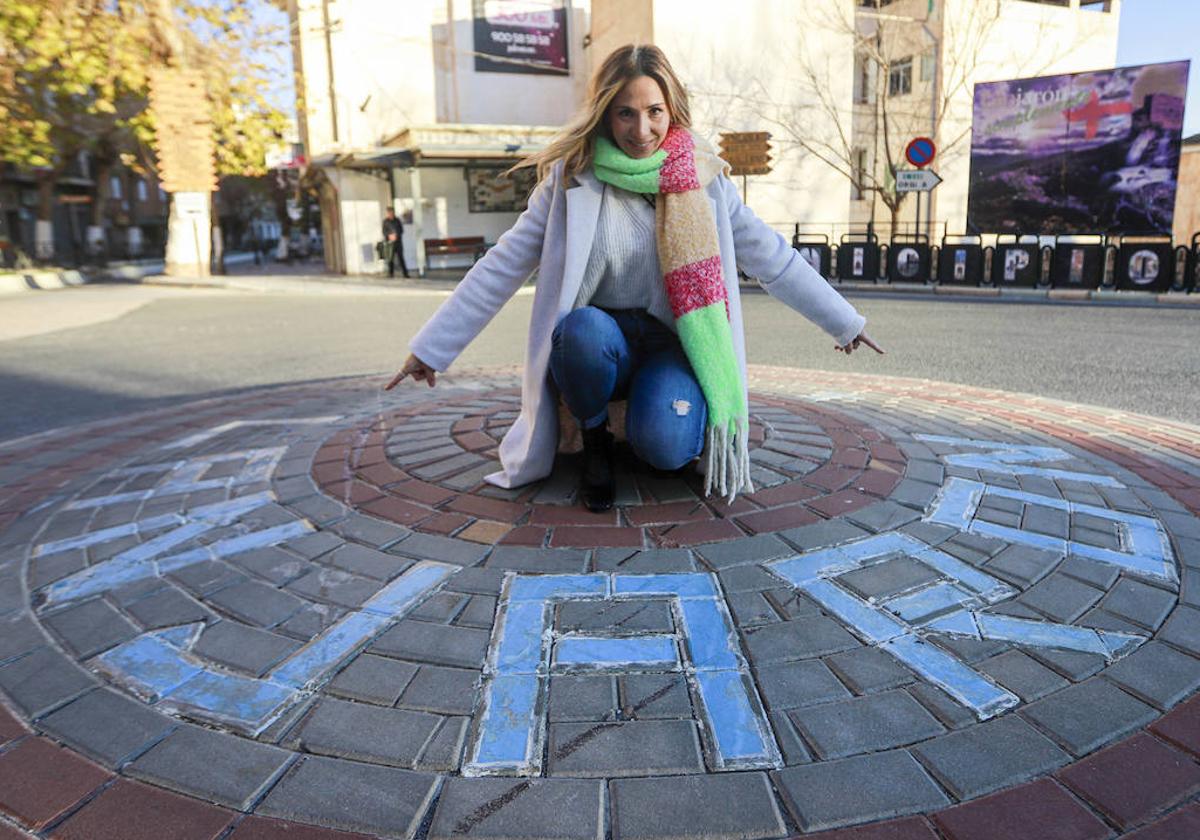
(414, 106)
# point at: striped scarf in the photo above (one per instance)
(690, 258)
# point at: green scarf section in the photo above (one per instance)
(704, 329)
(638, 175)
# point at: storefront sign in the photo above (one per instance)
(521, 36)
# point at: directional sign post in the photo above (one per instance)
(917, 180)
(747, 153)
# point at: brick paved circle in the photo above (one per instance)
(942, 606)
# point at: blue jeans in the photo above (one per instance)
(601, 355)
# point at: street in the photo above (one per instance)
(76, 355)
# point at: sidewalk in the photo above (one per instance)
(944, 613)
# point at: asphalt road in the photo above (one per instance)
(77, 355)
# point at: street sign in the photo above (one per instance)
(920, 152)
(747, 152)
(916, 180)
(183, 131)
(191, 203)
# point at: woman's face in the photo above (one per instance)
(638, 117)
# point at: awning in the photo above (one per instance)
(451, 145)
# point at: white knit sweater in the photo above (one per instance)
(622, 269)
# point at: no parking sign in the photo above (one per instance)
(920, 151)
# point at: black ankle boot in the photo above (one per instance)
(596, 488)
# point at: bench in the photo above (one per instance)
(473, 245)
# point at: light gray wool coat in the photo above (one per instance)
(554, 235)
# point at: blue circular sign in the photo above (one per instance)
(920, 151)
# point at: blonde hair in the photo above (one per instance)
(573, 146)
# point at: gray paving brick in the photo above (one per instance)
(434, 643)
(364, 732)
(630, 561)
(788, 739)
(930, 472)
(273, 564)
(1145, 605)
(803, 638)
(1022, 675)
(448, 691)
(211, 765)
(477, 581)
(999, 517)
(374, 679)
(367, 562)
(883, 516)
(1092, 572)
(541, 560)
(351, 796)
(1103, 620)
(615, 617)
(44, 570)
(242, 647)
(988, 756)
(91, 627)
(256, 603)
(440, 608)
(335, 586)
(167, 608)
(750, 608)
(747, 579)
(791, 685)
(311, 546)
(1023, 565)
(951, 713)
(1045, 520)
(442, 549)
(310, 621)
(528, 809)
(865, 724)
(1071, 664)
(206, 577)
(452, 466)
(1157, 673)
(1088, 715)
(868, 670)
(819, 534)
(646, 696)
(479, 612)
(888, 578)
(321, 510)
(624, 748)
(914, 494)
(578, 697)
(1061, 598)
(728, 806)
(1182, 629)
(42, 680)
(739, 552)
(830, 794)
(18, 635)
(929, 533)
(107, 726)
(444, 751)
(972, 548)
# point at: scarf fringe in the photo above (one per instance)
(728, 463)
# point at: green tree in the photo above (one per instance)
(74, 78)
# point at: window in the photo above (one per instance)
(900, 77)
(114, 187)
(141, 190)
(1096, 5)
(862, 80)
(859, 171)
(928, 63)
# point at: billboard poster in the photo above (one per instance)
(521, 36)
(1093, 152)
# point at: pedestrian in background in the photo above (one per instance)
(638, 235)
(393, 245)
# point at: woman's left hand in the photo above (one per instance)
(861, 338)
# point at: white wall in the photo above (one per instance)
(361, 202)
(742, 64)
